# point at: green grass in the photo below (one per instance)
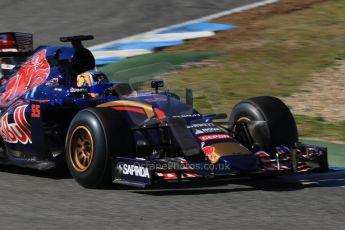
(139, 69)
(317, 127)
(274, 60)
(336, 152)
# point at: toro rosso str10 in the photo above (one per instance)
(57, 109)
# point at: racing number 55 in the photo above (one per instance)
(35, 111)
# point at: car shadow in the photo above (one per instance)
(56, 173)
(227, 186)
(233, 185)
(211, 186)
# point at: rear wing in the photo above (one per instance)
(15, 44)
(15, 47)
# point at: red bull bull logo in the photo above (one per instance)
(34, 72)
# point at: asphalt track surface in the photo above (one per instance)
(106, 19)
(53, 200)
(37, 200)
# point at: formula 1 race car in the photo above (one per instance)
(57, 109)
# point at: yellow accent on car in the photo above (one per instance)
(227, 149)
(146, 107)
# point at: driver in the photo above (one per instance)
(90, 78)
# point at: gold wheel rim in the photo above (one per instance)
(81, 148)
(240, 120)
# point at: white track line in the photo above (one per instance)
(202, 19)
(120, 53)
(149, 37)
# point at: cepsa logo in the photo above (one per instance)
(214, 137)
(19, 131)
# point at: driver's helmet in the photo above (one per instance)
(90, 78)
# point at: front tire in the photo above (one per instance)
(94, 137)
(277, 126)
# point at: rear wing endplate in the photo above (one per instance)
(15, 47)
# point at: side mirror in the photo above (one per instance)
(211, 117)
(189, 97)
(155, 84)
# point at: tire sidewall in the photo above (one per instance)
(246, 109)
(280, 127)
(93, 175)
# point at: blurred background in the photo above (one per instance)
(293, 50)
(106, 19)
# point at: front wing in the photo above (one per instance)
(140, 172)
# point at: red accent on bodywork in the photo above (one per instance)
(130, 109)
(173, 176)
(7, 41)
(209, 151)
(159, 113)
(214, 137)
(169, 176)
(262, 155)
(190, 175)
(35, 111)
(22, 132)
(17, 131)
(38, 100)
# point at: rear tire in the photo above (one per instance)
(3, 153)
(94, 137)
(279, 127)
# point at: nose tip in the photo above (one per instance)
(241, 162)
